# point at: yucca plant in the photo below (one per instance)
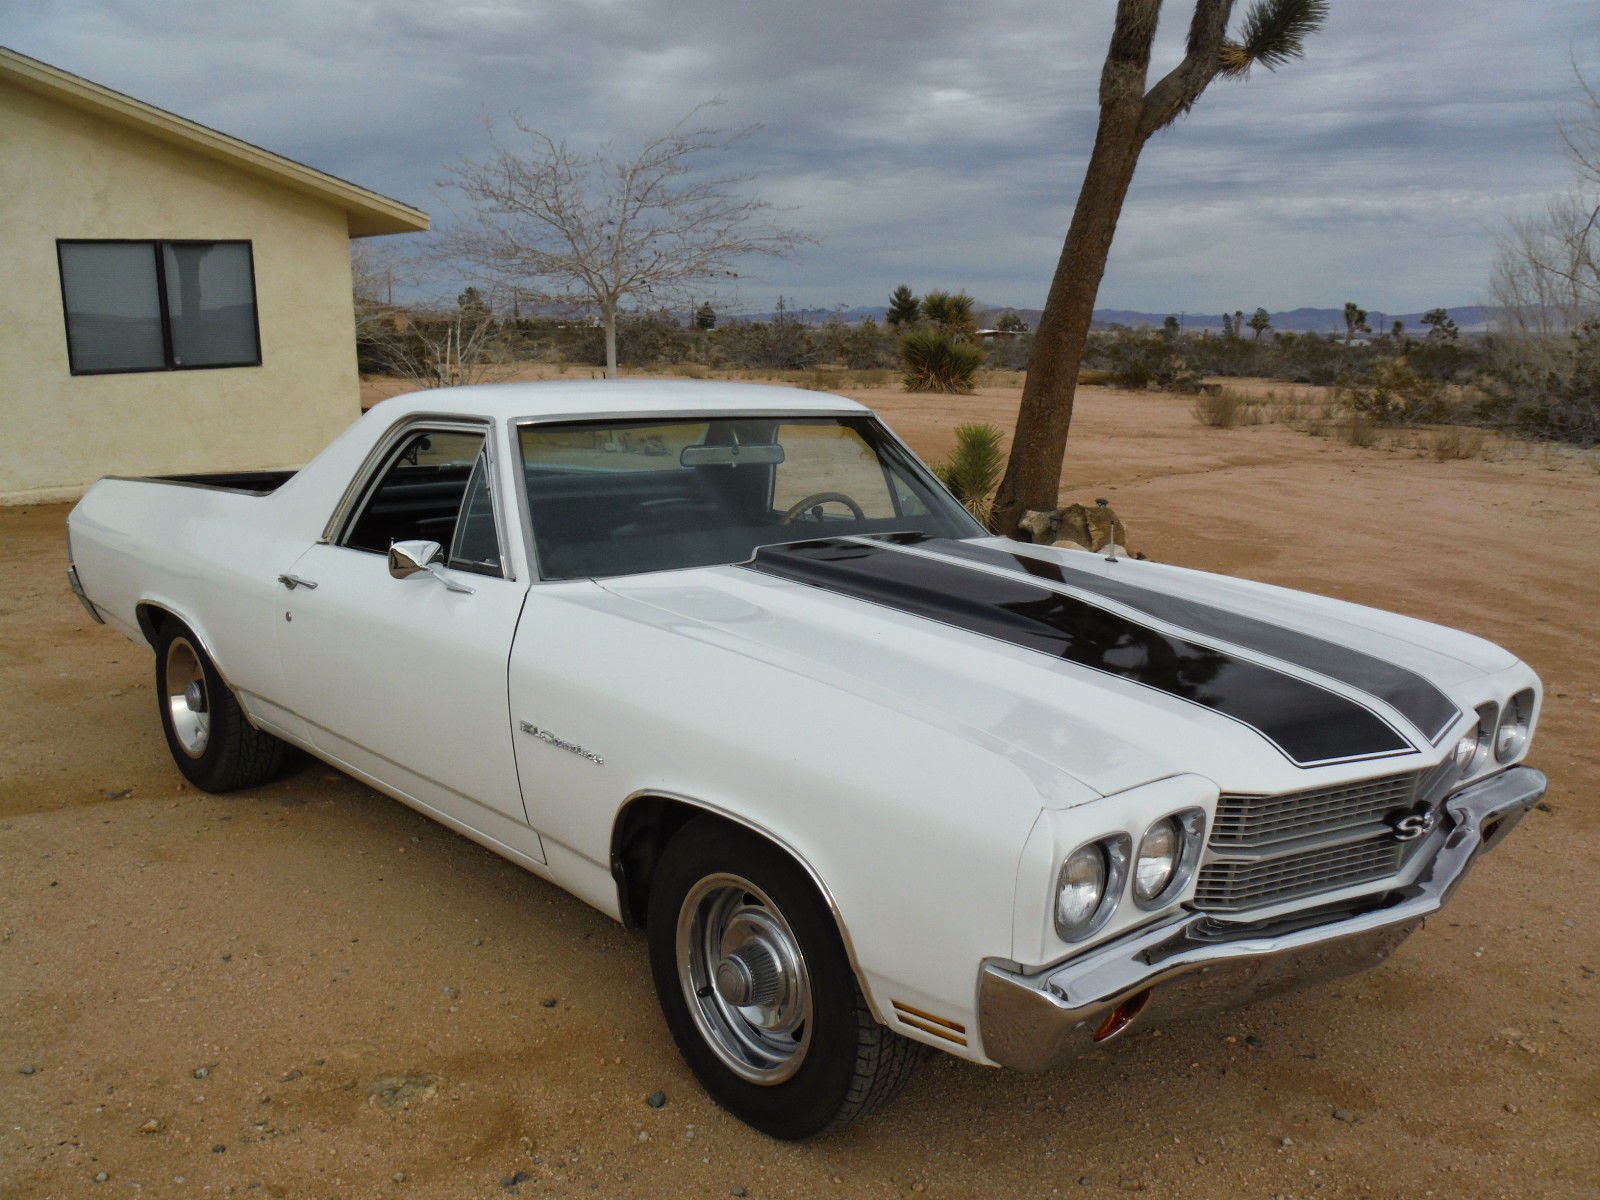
(936, 362)
(973, 468)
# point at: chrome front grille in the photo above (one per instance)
(1263, 820)
(1235, 887)
(1265, 850)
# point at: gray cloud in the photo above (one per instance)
(931, 143)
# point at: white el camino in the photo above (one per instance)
(727, 663)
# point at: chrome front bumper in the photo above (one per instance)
(1032, 1021)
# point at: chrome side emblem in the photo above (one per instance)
(1409, 826)
(544, 735)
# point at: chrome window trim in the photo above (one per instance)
(359, 491)
(483, 464)
(516, 424)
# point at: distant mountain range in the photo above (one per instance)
(1471, 318)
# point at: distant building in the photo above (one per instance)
(175, 300)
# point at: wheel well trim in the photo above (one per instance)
(709, 808)
(149, 627)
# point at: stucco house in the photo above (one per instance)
(175, 300)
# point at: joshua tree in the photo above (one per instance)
(1440, 327)
(1260, 321)
(951, 312)
(1131, 111)
(904, 307)
(1355, 321)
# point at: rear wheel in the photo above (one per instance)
(757, 990)
(214, 745)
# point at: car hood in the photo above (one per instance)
(1111, 673)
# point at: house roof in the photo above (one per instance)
(367, 212)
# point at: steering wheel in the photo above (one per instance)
(816, 499)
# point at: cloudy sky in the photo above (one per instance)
(919, 141)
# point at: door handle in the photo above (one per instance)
(293, 581)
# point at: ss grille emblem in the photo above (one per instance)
(1408, 826)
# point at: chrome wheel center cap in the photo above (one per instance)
(195, 697)
(748, 976)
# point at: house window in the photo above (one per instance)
(158, 306)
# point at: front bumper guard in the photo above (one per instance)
(1032, 1021)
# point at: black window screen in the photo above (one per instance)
(158, 306)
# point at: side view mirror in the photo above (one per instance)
(408, 558)
(411, 558)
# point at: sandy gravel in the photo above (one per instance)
(310, 991)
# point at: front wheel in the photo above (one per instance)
(211, 740)
(757, 990)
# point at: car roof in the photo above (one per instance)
(590, 399)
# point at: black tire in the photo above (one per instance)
(804, 1055)
(214, 745)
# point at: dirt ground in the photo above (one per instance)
(310, 991)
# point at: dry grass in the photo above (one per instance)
(1456, 442)
(1227, 408)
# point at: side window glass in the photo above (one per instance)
(477, 546)
(420, 493)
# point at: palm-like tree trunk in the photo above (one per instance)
(1129, 114)
(1033, 474)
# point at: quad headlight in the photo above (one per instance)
(1095, 878)
(1168, 853)
(1473, 740)
(1516, 721)
(1157, 860)
(1089, 885)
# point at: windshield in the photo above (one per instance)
(622, 497)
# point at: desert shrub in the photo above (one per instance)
(1546, 390)
(1316, 359)
(782, 344)
(936, 362)
(1229, 356)
(1456, 443)
(1445, 360)
(1140, 361)
(1223, 408)
(1360, 430)
(1011, 353)
(1394, 394)
(643, 340)
(863, 347)
(973, 469)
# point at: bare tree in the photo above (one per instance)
(596, 229)
(429, 345)
(1547, 275)
(1130, 113)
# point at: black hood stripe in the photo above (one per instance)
(1410, 695)
(1310, 725)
